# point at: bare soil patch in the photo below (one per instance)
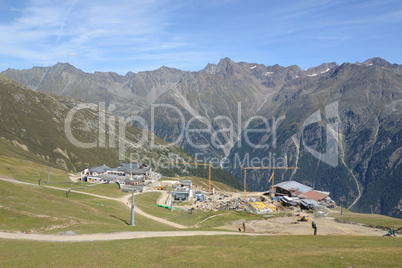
(289, 225)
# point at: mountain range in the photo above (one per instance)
(339, 124)
(72, 135)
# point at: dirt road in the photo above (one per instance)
(162, 199)
(4, 178)
(114, 236)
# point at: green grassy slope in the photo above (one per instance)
(23, 206)
(27, 208)
(372, 220)
(28, 171)
(203, 251)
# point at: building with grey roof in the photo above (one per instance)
(99, 170)
(126, 174)
(184, 191)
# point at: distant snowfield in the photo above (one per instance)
(323, 72)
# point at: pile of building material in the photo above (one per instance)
(259, 208)
(216, 204)
(250, 204)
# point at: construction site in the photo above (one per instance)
(286, 207)
(198, 197)
(293, 195)
(285, 211)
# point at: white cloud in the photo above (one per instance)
(47, 30)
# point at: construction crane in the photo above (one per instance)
(271, 178)
(199, 164)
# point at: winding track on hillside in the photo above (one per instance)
(112, 236)
(123, 200)
(278, 226)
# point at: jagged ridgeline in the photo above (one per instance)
(72, 135)
(367, 96)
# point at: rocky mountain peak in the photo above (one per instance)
(64, 65)
(379, 62)
(165, 69)
(129, 74)
(323, 68)
(225, 61)
(227, 66)
(209, 69)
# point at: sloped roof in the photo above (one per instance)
(100, 169)
(310, 203)
(293, 186)
(125, 166)
(314, 195)
(133, 168)
(113, 169)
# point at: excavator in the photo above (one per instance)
(302, 218)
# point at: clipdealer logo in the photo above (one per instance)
(117, 135)
(332, 142)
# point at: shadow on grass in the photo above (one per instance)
(127, 223)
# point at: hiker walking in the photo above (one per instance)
(390, 233)
(314, 227)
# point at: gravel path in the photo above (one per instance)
(15, 181)
(113, 236)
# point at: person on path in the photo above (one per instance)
(314, 227)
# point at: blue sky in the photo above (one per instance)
(124, 35)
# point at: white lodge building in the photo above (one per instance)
(126, 173)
